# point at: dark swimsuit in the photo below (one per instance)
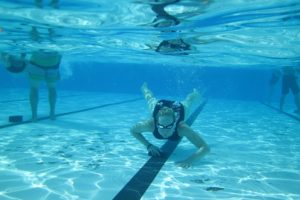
(179, 112)
(44, 67)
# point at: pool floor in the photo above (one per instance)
(91, 155)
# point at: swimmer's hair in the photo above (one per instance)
(166, 111)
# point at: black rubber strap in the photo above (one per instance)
(72, 112)
(282, 112)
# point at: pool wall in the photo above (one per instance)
(228, 83)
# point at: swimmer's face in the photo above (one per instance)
(165, 125)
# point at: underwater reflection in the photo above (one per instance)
(164, 19)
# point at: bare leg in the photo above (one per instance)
(297, 102)
(282, 100)
(52, 98)
(151, 100)
(190, 101)
(270, 95)
(34, 98)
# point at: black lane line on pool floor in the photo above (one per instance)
(72, 112)
(27, 99)
(282, 112)
(139, 183)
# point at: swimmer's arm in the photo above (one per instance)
(194, 138)
(137, 130)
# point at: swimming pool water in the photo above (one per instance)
(225, 49)
(91, 155)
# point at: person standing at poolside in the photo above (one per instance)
(41, 65)
(167, 122)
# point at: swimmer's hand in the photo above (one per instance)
(154, 151)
